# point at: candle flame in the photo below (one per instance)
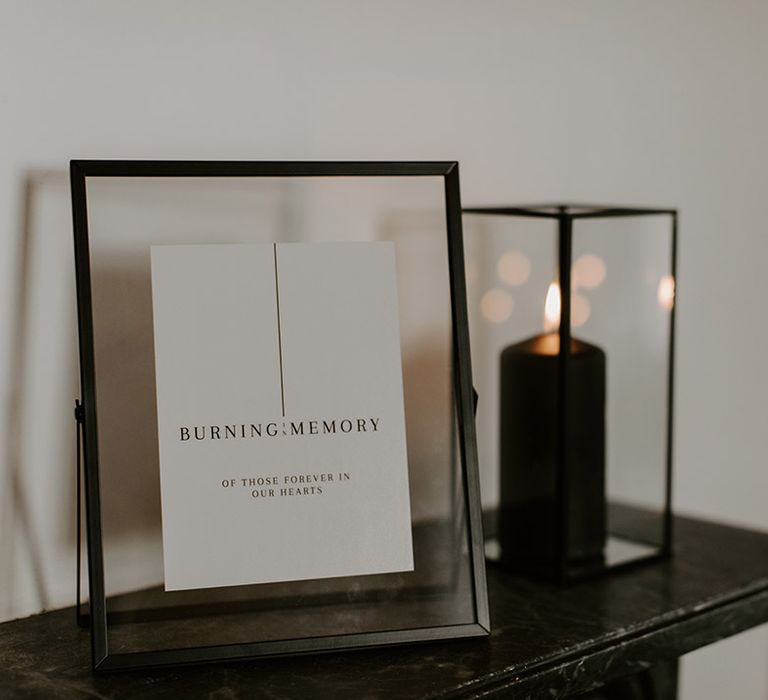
(552, 308)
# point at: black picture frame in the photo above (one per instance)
(80, 172)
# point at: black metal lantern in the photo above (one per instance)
(575, 412)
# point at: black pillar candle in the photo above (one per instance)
(528, 519)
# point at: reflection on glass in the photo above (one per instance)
(496, 305)
(588, 271)
(514, 268)
(666, 292)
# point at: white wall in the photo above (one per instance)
(651, 102)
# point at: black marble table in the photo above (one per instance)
(546, 641)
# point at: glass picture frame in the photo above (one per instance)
(127, 215)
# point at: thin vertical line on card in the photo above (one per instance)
(279, 331)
